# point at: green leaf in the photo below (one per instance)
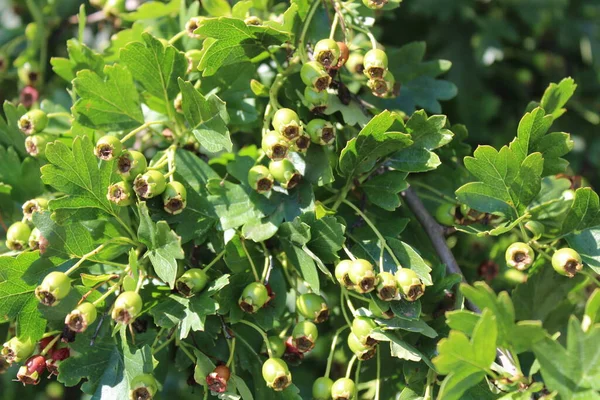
(156, 67)
(409, 258)
(592, 310)
(78, 173)
(584, 212)
(164, 246)
(326, 236)
(108, 103)
(19, 277)
(557, 95)
(373, 142)
(415, 326)
(80, 57)
(314, 165)
(528, 182)
(573, 371)
(10, 134)
(400, 348)
(189, 314)
(217, 8)
(207, 117)
(457, 383)
(294, 235)
(383, 190)
(152, 10)
(234, 42)
(22, 176)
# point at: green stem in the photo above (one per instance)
(342, 195)
(262, 333)
(348, 252)
(50, 345)
(357, 373)
(429, 385)
(348, 302)
(110, 291)
(378, 376)
(301, 41)
(51, 333)
(368, 33)
(264, 276)
(350, 365)
(165, 344)
(251, 261)
(214, 261)
(344, 313)
(157, 338)
(332, 350)
(231, 351)
(357, 296)
(60, 115)
(85, 257)
(139, 129)
(182, 345)
(334, 25)
(375, 230)
(177, 36)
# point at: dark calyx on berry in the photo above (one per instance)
(367, 284)
(304, 344)
(124, 164)
(76, 323)
(294, 181)
(174, 205)
(290, 131)
(217, 380)
(415, 292)
(322, 83)
(123, 316)
(303, 143)
(327, 134)
(264, 185)
(141, 393)
(29, 374)
(141, 187)
(279, 151)
(46, 298)
(105, 151)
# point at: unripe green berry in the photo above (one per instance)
(363, 276)
(327, 52)
(382, 87)
(287, 123)
(17, 350)
(191, 282)
(276, 374)
(121, 194)
(81, 317)
(143, 387)
(317, 101)
(519, 255)
(127, 308)
(277, 346)
(362, 351)
(274, 146)
(35, 145)
(34, 205)
(321, 389)
(313, 307)
(305, 335)
(362, 327)
(355, 63)
(108, 147)
(445, 214)
(315, 76)
(55, 287)
(260, 179)
(285, 173)
(33, 121)
(409, 283)
(567, 262)
(253, 297)
(17, 236)
(34, 239)
(343, 389)
(376, 64)
(301, 143)
(150, 184)
(341, 273)
(321, 131)
(29, 74)
(387, 288)
(192, 25)
(174, 198)
(130, 164)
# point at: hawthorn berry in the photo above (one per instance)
(327, 52)
(277, 346)
(387, 288)
(276, 374)
(362, 327)
(274, 146)
(409, 283)
(374, 4)
(355, 63)
(17, 350)
(143, 387)
(567, 262)
(321, 389)
(130, 164)
(382, 87)
(29, 73)
(362, 276)
(314, 75)
(217, 380)
(34, 205)
(55, 287)
(33, 121)
(313, 307)
(445, 214)
(192, 25)
(362, 351)
(55, 358)
(127, 307)
(321, 131)
(35, 145)
(341, 273)
(121, 194)
(375, 64)
(304, 336)
(292, 355)
(30, 373)
(108, 148)
(287, 123)
(253, 297)
(301, 143)
(149, 184)
(317, 101)
(174, 198)
(17, 236)
(343, 389)
(81, 317)
(28, 96)
(260, 178)
(253, 20)
(344, 54)
(34, 239)
(113, 8)
(191, 282)
(285, 173)
(519, 255)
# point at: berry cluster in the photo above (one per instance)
(21, 235)
(360, 276)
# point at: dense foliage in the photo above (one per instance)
(263, 200)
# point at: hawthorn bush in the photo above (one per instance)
(262, 200)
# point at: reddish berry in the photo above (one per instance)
(217, 380)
